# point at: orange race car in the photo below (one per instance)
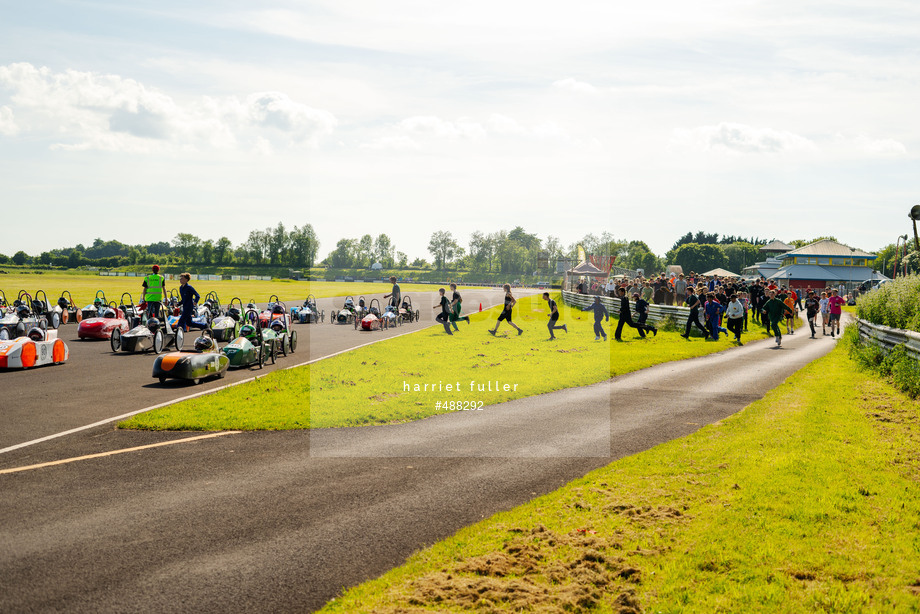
(39, 347)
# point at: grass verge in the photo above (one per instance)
(806, 501)
(368, 385)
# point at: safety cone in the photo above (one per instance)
(480, 306)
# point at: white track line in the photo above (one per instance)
(114, 452)
(195, 395)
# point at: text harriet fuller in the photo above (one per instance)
(487, 386)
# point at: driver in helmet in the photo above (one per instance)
(277, 326)
(248, 331)
(109, 313)
(36, 334)
(204, 344)
(153, 324)
(22, 312)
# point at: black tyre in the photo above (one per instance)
(271, 352)
(283, 341)
(292, 341)
(55, 320)
(162, 380)
(116, 340)
(158, 341)
(261, 356)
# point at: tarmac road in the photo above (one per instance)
(95, 384)
(283, 521)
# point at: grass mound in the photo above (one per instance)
(808, 500)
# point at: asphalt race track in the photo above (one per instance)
(283, 521)
(96, 384)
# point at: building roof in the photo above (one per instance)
(829, 248)
(586, 268)
(817, 272)
(776, 246)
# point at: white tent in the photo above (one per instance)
(719, 273)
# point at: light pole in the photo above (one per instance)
(915, 215)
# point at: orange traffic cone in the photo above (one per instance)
(480, 306)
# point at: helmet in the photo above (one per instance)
(234, 313)
(277, 309)
(204, 344)
(153, 324)
(349, 302)
(109, 313)
(248, 331)
(277, 326)
(361, 302)
(36, 334)
(62, 303)
(22, 311)
(97, 301)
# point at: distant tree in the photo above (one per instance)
(304, 246)
(739, 255)
(383, 250)
(343, 256)
(75, 259)
(4, 258)
(402, 259)
(443, 247)
(186, 246)
(45, 258)
(21, 258)
(207, 252)
(365, 253)
(638, 255)
(257, 246)
(420, 263)
(157, 249)
(222, 249)
(697, 258)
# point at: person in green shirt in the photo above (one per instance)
(775, 310)
(154, 291)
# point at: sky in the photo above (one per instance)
(139, 120)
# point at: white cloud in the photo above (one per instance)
(879, 147)
(7, 122)
(109, 112)
(573, 85)
(462, 128)
(739, 139)
(397, 143)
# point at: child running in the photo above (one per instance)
(455, 303)
(444, 316)
(553, 316)
(506, 312)
(600, 312)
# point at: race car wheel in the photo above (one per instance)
(79, 316)
(261, 356)
(4, 334)
(332, 317)
(158, 341)
(196, 381)
(64, 317)
(292, 341)
(20, 329)
(162, 380)
(284, 341)
(43, 323)
(271, 352)
(416, 314)
(55, 320)
(180, 339)
(322, 315)
(116, 340)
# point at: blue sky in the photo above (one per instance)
(135, 121)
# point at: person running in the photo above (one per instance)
(790, 315)
(713, 313)
(154, 289)
(774, 310)
(600, 312)
(455, 303)
(834, 304)
(189, 297)
(693, 302)
(735, 315)
(553, 316)
(812, 307)
(506, 312)
(444, 316)
(626, 318)
(825, 314)
(642, 309)
(395, 294)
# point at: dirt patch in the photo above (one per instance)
(536, 570)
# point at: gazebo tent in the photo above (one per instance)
(719, 273)
(585, 269)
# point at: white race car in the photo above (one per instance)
(39, 347)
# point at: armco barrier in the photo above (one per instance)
(887, 337)
(656, 313)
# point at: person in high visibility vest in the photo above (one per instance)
(154, 291)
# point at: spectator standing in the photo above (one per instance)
(680, 290)
(395, 294)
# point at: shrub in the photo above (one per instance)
(896, 304)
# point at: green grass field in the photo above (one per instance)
(368, 385)
(83, 287)
(806, 501)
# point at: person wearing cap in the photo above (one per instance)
(154, 289)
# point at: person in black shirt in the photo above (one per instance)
(506, 312)
(600, 312)
(444, 316)
(455, 302)
(812, 307)
(553, 316)
(693, 302)
(626, 318)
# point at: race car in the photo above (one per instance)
(39, 347)
(19, 321)
(205, 361)
(94, 309)
(390, 317)
(276, 309)
(373, 319)
(249, 348)
(286, 338)
(155, 334)
(66, 309)
(42, 308)
(347, 315)
(102, 327)
(406, 313)
(226, 326)
(308, 313)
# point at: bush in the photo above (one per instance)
(896, 364)
(895, 304)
